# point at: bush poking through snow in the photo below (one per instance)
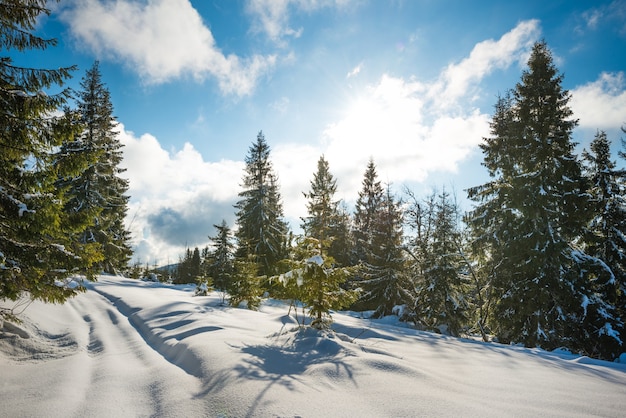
(204, 286)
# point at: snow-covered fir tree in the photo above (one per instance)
(321, 207)
(320, 275)
(366, 209)
(99, 191)
(261, 230)
(315, 281)
(385, 279)
(420, 219)
(442, 288)
(245, 285)
(36, 253)
(220, 260)
(189, 268)
(341, 247)
(530, 214)
(605, 239)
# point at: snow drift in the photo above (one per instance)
(130, 348)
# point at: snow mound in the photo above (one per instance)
(27, 343)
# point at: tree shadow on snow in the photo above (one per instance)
(292, 355)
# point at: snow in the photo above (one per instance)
(316, 259)
(133, 348)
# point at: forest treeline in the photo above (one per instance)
(539, 260)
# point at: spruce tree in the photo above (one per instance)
(99, 191)
(36, 253)
(420, 218)
(321, 207)
(220, 261)
(342, 245)
(530, 214)
(367, 207)
(385, 280)
(245, 285)
(317, 272)
(605, 239)
(261, 230)
(441, 303)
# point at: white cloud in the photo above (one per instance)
(390, 124)
(486, 56)
(161, 40)
(272, 16)
(592, 17)
(355, 71)
(601, 104)
(173, 193)
(412, 128)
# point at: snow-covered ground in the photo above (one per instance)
(128, 348)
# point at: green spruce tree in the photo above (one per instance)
(319, 277)
(99, 191)
(220, 261)
(36, 253)
(441, 303)
(322, 209)
(385, 281)
(245, 286)
(261, 230)
(605, 239)
(367, 208)
(530, 214)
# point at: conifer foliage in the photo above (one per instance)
(367, 208)
(441, 302)
(36, 253)
(220, 261)
(99, 192)
(189, 268)
(382, 277)
(529, 216)
(322, 209)
(318, 279)
(605, 239)
(314, 280)
(262, 232)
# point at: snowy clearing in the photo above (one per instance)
(131, 348)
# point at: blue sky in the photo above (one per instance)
(410, 83)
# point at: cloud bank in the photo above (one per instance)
(411, 128)
(161, 40)
(176, 197)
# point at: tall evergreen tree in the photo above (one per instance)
(341, 247)
(189, 268)
(36, 254)
(245, 285)
(220, 261)
(262, 231)
(529, 216)
(605, 239)
(367, 207)
(320, 277)
(99, 191)
(441, 302)
(420, 217)
(385, 280)
(323, 213)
